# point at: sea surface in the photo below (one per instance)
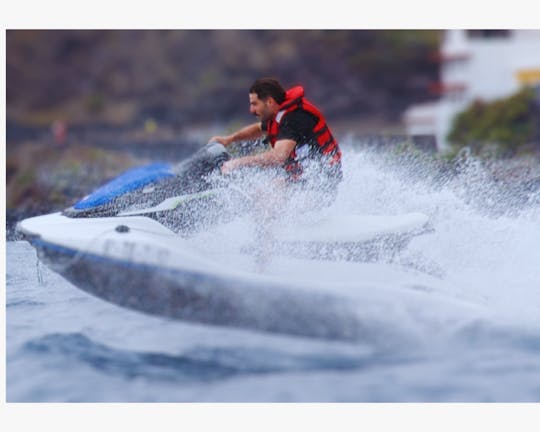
(455, 317)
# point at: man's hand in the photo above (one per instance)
(251, 131)
(228, 166)
(225, 140)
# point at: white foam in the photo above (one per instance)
(484, 249)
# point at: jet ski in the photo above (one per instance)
(128, 243)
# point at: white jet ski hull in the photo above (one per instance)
(150, 269)
(138, 263)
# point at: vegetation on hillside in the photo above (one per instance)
(505, 127)
(124, 77)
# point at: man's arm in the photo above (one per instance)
(249, 132)
(277, 156)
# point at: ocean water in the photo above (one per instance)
(455, 317)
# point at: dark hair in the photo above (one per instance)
(265, 87)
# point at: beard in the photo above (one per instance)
(264, 116)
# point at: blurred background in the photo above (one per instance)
(83, 105)
(182, 78)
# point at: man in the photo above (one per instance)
(302, 145)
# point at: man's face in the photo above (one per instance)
(263, 109)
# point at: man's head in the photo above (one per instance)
(265, 97)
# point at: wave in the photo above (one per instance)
(198, 364)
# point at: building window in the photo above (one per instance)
(487, 34)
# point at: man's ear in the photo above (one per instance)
(272, 102)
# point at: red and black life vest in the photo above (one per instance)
(325, 144)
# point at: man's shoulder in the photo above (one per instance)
(299, 117)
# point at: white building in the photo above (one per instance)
(475, 64)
